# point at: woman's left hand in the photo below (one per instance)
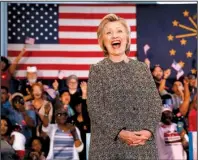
(143, 134)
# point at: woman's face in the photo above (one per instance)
(4, 127)
(37, 92)
(61, 118)
(158, 73)
(3, 65)
(73, 84)
(115, 38)
(18, 102)
(65, 98)
(36, 145)
(177, 86)
(167, 117)
(78, 108)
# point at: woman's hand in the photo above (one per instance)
(34, 155)
(144, 135)
(77, 143)
(47, 108)
(147, 61)
(83, 87)
(167, 73)
(132, 138)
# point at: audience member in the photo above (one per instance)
(192, 85)
(65, 138)
(38, 103)
(7, 152)
(181, 97)
(8, 69)
(36, 152)
(45, 140)
(25, 85)
(6, 129)
(18, 141)
(168, 139)
(25, 118)
(160, 78)
(82, 121)
(5, 103)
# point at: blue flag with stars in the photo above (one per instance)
(167, 35)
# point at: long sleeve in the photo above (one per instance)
(96, 105)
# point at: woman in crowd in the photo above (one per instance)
(39, 103)
(82, 121)
(7, 152)
(6, 129)
(45, 140)
(7, 69)
(123, 102)
(171, 138)
(65, 140)
(36, 152)
(26, 118)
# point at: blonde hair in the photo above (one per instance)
(112, 18)
(38, 84)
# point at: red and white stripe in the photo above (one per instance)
(78, 45)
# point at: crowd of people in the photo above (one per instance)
(41, 121)
(178, 115)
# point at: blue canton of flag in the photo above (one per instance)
(33, 20)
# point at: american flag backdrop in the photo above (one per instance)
(65, 36)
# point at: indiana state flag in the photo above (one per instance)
(167, 35)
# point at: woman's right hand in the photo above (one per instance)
(47, 108)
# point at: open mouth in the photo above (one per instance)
(116, 44)
(37, 95)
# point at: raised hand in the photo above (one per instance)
(47, 108)
(167, 73)
(147, 61)
(23, 49)
(186, 80)
(83, 86)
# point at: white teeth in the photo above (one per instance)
(115, 42)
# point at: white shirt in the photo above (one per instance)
(19, 141)
(169, 143)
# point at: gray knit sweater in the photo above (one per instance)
(121, 95)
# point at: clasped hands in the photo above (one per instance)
(134, 138)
